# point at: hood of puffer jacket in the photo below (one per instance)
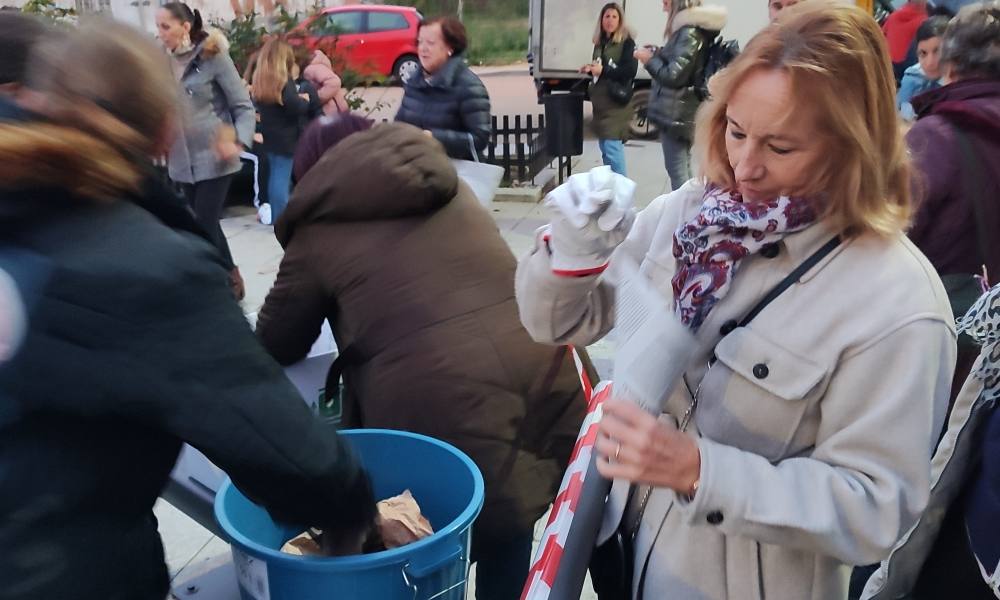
(388, 172)
(321, 59)
(708, 17)
(972, 103)
(909, 13)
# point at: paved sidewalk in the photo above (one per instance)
(192, 550)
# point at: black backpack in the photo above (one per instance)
(719, 54)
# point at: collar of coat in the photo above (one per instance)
(970, 103)
(709, 17)
(210, 47)
(445, 78)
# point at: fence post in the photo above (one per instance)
(491, 153)
(519, 145)
(506, 147)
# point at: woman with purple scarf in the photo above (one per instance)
(822, 342)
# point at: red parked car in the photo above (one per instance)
(376, 39)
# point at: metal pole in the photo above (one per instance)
(461, 9)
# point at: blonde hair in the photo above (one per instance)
(826, 47)
(621, 34)
(100, 124)
(274, 68)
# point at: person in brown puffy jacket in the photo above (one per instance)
(382, 240)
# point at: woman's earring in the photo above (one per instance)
(450, 53)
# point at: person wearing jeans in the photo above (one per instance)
(676, 158)
(677, 69)
(613, 68)
(278, 187)
(282, 112)
(613, 154)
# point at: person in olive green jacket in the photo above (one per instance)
(613, 68)
(676, 69)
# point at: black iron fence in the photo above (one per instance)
(517, 144)
(518, 148)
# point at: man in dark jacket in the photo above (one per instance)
(419, 293)
(447, 100)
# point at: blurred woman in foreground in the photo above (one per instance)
(110, 367)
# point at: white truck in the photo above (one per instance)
(562, 39)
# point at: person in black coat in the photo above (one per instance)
(448, 101)
(130, 343)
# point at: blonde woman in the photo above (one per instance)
(676, 69)
(282, 109)
(613, 68)
(799, 441)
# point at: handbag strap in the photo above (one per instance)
(975, 182)
(792, 278)
(472, 148)
(787, 282)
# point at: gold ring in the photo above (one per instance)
(618, 451)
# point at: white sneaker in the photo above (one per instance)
(264, 214)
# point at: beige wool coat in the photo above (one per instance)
(819, 461)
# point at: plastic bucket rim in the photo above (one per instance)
(375, 559)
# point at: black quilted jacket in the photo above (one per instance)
(453, 105)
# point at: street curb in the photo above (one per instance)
(519, 194)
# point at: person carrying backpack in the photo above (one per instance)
(677, 70)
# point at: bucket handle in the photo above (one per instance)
(411, 573)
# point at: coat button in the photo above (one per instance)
(728, 327)
(714, 517)
(760, 371)
(770, 251)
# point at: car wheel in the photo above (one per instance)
(641, 127)
(405, 67)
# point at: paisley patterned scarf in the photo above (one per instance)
(710, 247)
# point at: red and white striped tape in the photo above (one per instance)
(543, 570)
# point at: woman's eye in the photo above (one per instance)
(780, 151)
(736, 135)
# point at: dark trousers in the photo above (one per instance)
(207, 199)
(501, 565)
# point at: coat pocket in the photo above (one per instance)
(758, 396)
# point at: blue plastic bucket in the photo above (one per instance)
(445, 482)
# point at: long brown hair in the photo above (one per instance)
(622, 33)
(826, 47)
(274, 68)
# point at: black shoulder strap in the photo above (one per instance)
(792, 278)
(975, 182)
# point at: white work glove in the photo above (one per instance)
(591, 215)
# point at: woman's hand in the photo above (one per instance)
(633, 445)
(596, 69)
(643, 55)
(585, 69)
(226, 146)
